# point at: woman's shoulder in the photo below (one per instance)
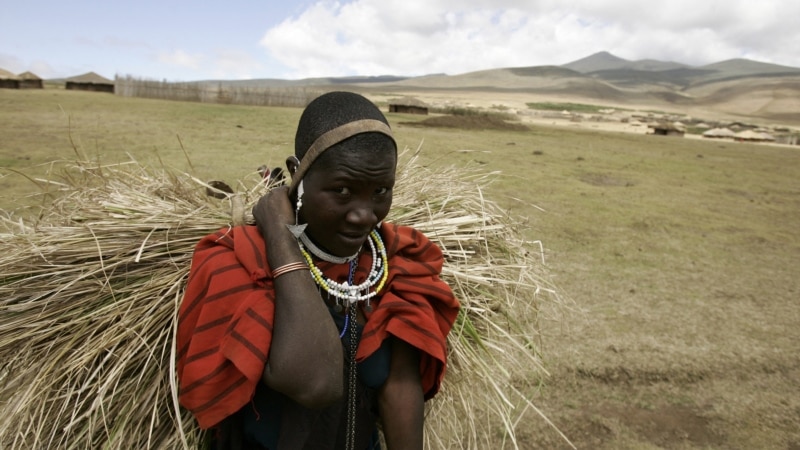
(408, 241)
(403, 232)
(229, 236)
(244, 241)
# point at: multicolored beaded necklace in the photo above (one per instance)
(347, 293)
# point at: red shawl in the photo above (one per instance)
(225, 318)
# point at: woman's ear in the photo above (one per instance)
(292, 163)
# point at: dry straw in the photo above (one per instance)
(89, 292)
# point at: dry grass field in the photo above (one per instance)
(679, 256)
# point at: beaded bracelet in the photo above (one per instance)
(286, 268)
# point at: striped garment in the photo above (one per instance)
(225, 318)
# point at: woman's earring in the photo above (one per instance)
(297, 229)
(294, 165)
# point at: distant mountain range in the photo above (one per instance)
(736, 86)
(613, 69)
(601, 65)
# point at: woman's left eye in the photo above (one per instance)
(382, 191)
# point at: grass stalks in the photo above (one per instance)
(90, 288)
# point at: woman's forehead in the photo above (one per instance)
(360, 161)
(369, 163)
(357, 151)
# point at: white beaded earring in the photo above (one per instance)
(297, 229)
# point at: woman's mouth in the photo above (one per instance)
(353, 240)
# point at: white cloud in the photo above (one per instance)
(233, 64)
(220, 63)
(413, 37)
(12, 63)
(44, 69)
(41, 68)
(180, 58)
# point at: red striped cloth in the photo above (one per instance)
(225, 318)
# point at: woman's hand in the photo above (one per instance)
(274, 211)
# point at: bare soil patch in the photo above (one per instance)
(665, 426)
(604, 179)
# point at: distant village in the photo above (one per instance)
(678, 126)
(656, 124)
(27, 80)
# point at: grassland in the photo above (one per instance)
(680, 255)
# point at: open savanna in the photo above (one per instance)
(677, 258)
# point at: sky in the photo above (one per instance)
(182, 40)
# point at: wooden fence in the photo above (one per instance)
(210, 92)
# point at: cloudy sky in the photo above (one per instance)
(183, 40)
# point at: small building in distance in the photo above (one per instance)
(29, 80)
(90, 82)
(408, 105)
(753, 136)
(8, 80)
(719, 133)
(667, 129)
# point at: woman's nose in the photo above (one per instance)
(363, 215)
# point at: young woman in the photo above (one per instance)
(274, 315)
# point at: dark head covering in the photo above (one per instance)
(330, 119)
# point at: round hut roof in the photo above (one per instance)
(668, 126)
(408, 101)
(6, 75)
(750, 135)
(90, 77)
(719, 132)
(28, 76)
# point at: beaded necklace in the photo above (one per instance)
(322, 254)
(347, 292)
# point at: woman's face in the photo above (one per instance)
(346, 194)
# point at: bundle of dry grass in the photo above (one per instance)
(89, 293)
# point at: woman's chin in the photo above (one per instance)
(349, 245)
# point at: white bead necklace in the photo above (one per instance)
(322, 254)
(347, 292)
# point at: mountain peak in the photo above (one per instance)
(597, 61)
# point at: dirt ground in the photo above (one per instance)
(621, 379)
(628, 371)
(516, 103)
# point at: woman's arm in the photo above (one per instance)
(305, 359)
(401, 400)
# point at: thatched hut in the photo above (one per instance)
(719, 133)
(29, 80)
(667, 129)
(90, 82)
(753, 136)
(408, 105)
(8, 80)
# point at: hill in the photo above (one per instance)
(606, 61)
(735, 88)
(740, 89)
